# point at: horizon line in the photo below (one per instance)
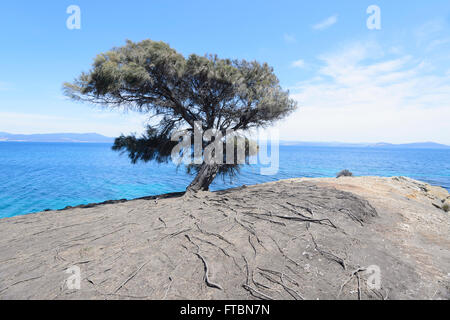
(281, 140)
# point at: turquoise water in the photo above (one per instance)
(39, 176)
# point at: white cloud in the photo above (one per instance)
(298, 64)
(289, 38)
(359, 95)
(328, 22)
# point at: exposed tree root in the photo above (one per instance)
(131, 277)
(301, 207)
(328, 255)
(18, 282)
(258, 284)
(249, 229)
(289, 290)
(205, 264)
(213, 234)
(207, 281)
(251, 244)
(279, 274)
(168, 288)
(354, 274)
(247, 268)
(214, 245)
(257, 216)
(353, 217)
(176, 233)
(160, 219)
(302, 219)
(256, 293)
(283, 253)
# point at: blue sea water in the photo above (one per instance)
(39, 176)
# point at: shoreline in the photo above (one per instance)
(181, 193)
(48, 182)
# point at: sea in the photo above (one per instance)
(39, 176)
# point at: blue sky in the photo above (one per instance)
(353, 84)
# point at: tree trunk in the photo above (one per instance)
(204, 178)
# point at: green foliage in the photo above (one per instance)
(151, 77)
(153, 145)
(446, 207)
(344, 173)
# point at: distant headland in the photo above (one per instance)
(56, 137)
(414, 145)
(99, 138)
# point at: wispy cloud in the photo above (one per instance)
(298, 64)
(429, 29)
(328, 22)
(432, 34)
(289, 38)
(361, 94)
(4, 86)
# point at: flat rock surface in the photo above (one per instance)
(291, 239)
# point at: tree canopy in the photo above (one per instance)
(182, 93)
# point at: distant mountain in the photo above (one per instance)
(417, 145)
(56, 137)
(98, 138)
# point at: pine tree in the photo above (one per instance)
(217, 94)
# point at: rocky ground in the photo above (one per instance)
(292, 239)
